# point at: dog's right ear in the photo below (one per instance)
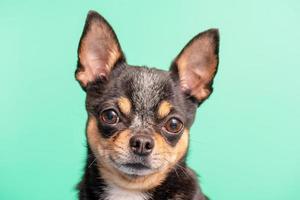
(98, 50)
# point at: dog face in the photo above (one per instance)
(139, 117)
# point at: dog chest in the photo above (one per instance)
(117, 193)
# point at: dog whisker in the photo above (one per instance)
(92, 163)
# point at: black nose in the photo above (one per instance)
(141, 145)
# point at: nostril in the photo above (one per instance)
(148, 145)
(135, 143)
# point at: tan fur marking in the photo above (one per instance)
(136, 184)
(93, 137)
(102, 148)
(164, 109)
(124, 105)
(172, 154)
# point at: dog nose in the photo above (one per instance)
(141, 145)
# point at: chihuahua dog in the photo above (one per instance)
(139, 117)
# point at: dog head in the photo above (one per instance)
(139, 117)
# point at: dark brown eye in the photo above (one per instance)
(174, 125)
(109, 117)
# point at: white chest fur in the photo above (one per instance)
(116, 193)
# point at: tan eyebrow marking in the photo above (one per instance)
(164, 109)
(124, 105)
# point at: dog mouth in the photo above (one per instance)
(137, 166)
(133, 168)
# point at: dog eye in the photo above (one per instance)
(174, 125)
(109, 117)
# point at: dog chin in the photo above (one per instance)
(132, 169)
(134, 172)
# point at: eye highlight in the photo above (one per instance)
(173, 125)
(109, 117)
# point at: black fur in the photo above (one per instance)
(145, 88)
(181, 181)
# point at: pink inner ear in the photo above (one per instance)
(193, 84)
(99, 50)
(94, 66)
(197, 64)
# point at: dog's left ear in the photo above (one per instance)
(98, 51)
(196, 65)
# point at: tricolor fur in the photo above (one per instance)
(139, 117)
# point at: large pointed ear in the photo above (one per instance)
(196, 65)
(98, 51)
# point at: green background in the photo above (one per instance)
(245, 141)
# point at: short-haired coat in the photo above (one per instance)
(139, 117)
